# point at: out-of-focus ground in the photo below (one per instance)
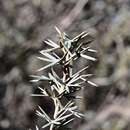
(24, 24)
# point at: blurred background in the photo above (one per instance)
(24, 24)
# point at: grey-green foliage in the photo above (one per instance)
(65, 85)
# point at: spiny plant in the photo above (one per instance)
(62, 87)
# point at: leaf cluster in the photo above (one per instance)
(65, 85)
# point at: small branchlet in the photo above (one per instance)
(65, 85)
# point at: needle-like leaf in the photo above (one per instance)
(38, 78)
(88, 57)
(91, 83)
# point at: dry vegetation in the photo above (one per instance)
(24, 24)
